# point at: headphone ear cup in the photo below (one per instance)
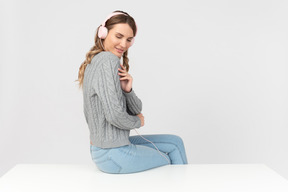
(102, 32)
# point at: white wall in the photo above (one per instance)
(212, 72)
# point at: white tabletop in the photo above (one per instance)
(191, 178)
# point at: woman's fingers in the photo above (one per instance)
(120, 69)
(123, 66)
(124, 75)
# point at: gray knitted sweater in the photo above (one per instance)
(109, 111)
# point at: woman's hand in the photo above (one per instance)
(141, 118)
(125, 79)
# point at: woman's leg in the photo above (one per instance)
(127, 159)
(170, 144)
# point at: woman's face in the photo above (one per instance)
(118, 39)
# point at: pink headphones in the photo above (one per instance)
(103, 31)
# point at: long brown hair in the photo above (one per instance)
(97, 48)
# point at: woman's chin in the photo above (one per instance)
(117, 54)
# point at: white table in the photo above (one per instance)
(179, 178)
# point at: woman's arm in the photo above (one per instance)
(107, 86)
(134, 104)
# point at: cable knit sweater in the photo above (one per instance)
(109, 111)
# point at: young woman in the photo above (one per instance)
(112, 108)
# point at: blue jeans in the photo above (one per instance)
(140, 155)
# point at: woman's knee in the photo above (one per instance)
(176, 139)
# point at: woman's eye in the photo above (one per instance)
(129, 40)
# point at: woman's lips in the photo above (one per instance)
(119, 50)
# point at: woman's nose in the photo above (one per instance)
(123, 43)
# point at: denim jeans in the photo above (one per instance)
(140, 155)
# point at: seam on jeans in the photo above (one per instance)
(168, 143)
(120, 167)
(107, 160)
(100, 155)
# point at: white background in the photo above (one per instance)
(212, 72)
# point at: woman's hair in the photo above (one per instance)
(97, 48)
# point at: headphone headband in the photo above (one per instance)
(111, 15)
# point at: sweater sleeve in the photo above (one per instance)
(134, 104)
(107, 87)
